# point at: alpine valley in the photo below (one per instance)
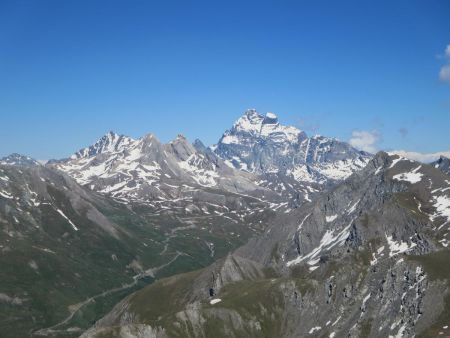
(268, 233)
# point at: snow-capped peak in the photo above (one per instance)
(261, 144)
(110, 142)
(250, 122)
(258, 125)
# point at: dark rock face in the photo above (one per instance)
(443, 164)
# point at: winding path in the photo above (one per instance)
(73, 309)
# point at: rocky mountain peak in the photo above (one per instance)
(250, 122)
(382, 159)
(110, 142)
(443, 159)
(180, 139)
(150, 137)
(18, 159)
(109, 138)
(251, 113)
(181, 148)
(443, 164)
(253, 125)
(263, 145)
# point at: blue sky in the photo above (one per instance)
(72, 70)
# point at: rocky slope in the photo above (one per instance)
(68, 253)
(366, 259)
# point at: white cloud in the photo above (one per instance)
(365, 140)
(444, 74)
(421, 157)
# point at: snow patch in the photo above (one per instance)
(395, 161)
(442, 205)
(215, 301)
(398, 247)
(331, 218)
(353, 207)
(341, 169)
(411, 177)
(6, 195)
(230, 139)
(314, 329)
(301, 224)
(328, 241)
(68, 220)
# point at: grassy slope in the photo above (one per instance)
(81, 264)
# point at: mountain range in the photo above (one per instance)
(268, 233)
(367, 258)
(257, 155)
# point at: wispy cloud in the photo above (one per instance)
(421, 157)
(365, 140)
(444, 72)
